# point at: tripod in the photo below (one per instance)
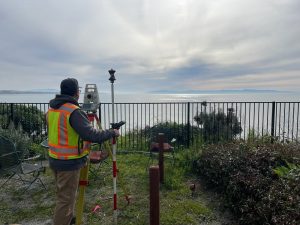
(83, 178)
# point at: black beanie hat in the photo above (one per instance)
(69, 86)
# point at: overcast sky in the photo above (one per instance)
(152, 44)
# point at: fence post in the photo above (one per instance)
(273, 122)
(99, 113)
(188, 125)
(154, 195)
(161, 140)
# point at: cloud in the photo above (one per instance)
(184, 44)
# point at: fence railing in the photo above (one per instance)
(187, 122)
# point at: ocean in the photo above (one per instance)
(153, 98)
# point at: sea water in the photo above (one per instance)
(153, 98)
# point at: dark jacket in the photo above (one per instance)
(80, 123)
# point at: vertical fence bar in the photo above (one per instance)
(279, 119)
(288, 129)
(240, 122)
(133, 126)
(137, 126)
(188, 124)
(141, 127)
(100, 113)
(129, 118)
(297, 124)
(245, 122)
(273, 122)
(191, 125)
(263, 120)
(293, 121)
(258, 117)
(253, 121)
(178, 119)
(145, 123)
(11, 117)
(125, 127)
(269, 115)
(283, 133)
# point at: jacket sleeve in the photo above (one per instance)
(81, 124)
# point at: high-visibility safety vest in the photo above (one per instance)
(64, 143)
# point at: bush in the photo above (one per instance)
(280, 205)
(245, 174)
(171, 130)
(30, 117)
(218, 126)
(17, 136)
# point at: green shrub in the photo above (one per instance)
(30, 117)
(171, 130)
(218, 126)
(18, 137)
(246, 175)
(280, 205)
(187, 158)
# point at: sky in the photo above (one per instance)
(154, 45)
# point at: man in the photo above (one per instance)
(69, 135)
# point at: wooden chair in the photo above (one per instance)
(11, 165)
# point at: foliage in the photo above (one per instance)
(218, 126)
(24, 144)
(281, 203)
(18, 137)
(247, 176)
(30, 117)
(187, 158)
(171, 130)
(284, 171)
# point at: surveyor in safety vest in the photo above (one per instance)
(69, 136)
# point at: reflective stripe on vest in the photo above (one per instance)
(62, 138)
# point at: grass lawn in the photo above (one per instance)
(177, 205)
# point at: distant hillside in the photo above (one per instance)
(35, 91)
(241, 91)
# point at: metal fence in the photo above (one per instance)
(190, 123)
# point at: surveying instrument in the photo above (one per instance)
(90, 106)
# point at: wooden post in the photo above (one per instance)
(154, 195)
(161, 139)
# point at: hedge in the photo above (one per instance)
(248, 177)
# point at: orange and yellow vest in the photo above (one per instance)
(64, 143)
